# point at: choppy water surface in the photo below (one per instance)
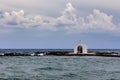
(59, 68)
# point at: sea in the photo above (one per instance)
(58, 67)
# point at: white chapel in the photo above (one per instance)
(80, 49)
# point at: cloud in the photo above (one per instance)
(14, 17)
(68, 15)
(101, 20)
(18, 18)
(96, 21)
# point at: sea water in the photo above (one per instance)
(59, 68)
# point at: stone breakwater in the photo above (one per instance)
(62, 53)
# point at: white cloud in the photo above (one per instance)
(96, 22)
(100, 19)
(16, 18)
(68, 15)
(71, 22)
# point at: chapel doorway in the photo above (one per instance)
(79, 49)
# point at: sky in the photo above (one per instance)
(59, 24)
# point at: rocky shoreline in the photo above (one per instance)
(63, 53)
